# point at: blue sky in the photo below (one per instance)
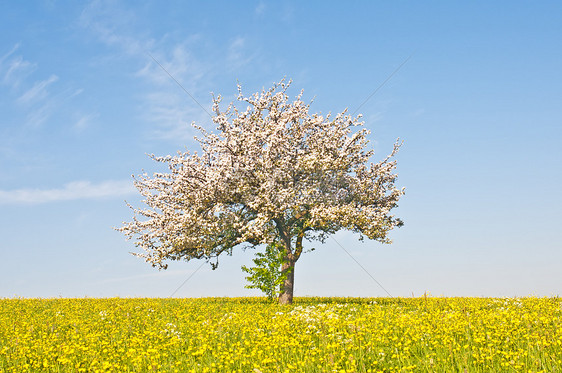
(478, 104)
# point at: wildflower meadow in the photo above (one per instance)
(253, 335)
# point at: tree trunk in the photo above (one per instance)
(286, 295)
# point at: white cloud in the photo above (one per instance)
(174, 113)
(235, 47)
(84, 122)
(75, 93)
(72, 191)
(260, 9)
(39, 115)
(111, 24)
(38, 91)
(374, 117)
(288, 14)
(164, 103)
(14, 69)
(181, 65)
(37, 104)
(237, 54)
(14, 48)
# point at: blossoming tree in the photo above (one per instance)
(272, 174)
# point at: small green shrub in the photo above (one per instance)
(266, 275)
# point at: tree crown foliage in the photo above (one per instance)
(273, 173)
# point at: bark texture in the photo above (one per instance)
(289, 261)
(286, 296)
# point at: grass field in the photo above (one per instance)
(252, 335)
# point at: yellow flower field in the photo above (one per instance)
(252, 335)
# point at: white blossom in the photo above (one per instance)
(273, 172)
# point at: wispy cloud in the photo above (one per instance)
(40, 114)
(164, 103)
(38, 91)
(111, 24)
(14, 68)
(38, 103)
(180, 63)
(374, 117)
(77, 92)
(174, 115)
(12, 51)
(84, 122)
(76, 190)
(260, 8)
(288, 14)
(237, 53)
(35, 99)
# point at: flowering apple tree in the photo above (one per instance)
(273, 174)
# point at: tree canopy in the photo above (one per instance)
(271, 174)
